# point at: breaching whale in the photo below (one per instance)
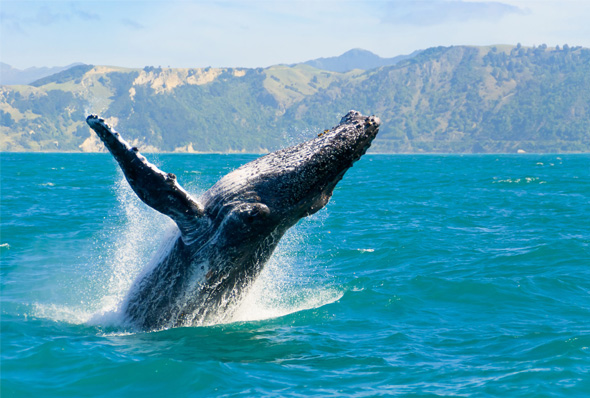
(228, 234)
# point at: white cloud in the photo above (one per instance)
(131, 23)
(436, 12)
(262, 33)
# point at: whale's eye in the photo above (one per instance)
(258, 211)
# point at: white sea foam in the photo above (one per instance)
(285, 286)
(76, 315)
(119, 253)
(144, 234)
(259, 304)
(125, 251)
(525, 180)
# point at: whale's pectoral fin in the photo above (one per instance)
(154, 187)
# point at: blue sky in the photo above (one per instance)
(137, 33)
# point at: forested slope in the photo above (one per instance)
(448, 99)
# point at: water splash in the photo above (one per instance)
(140, 237)
(118, 254)
(286, 284)
(143, 234)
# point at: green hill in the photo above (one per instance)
(448, 99)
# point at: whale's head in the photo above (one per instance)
(271, 193)
(299, 181)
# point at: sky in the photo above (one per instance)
(260, 33)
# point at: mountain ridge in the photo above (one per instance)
(14, 76)
(458, 99)
(356, 58)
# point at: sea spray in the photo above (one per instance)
(131, 235)
(142, 234)
(289, 282)
(134, 238)
(143, 237)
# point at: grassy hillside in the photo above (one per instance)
(448, 99)
(468, 99)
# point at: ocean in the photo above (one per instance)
(425, 275)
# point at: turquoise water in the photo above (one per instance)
(424, 276)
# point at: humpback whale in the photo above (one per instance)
(228, 234)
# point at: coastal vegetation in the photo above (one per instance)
(458, 99)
